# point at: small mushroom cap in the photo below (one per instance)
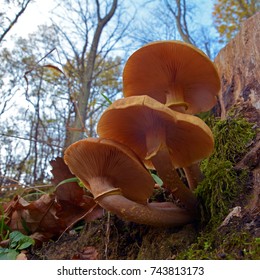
(172, 67)
(130, 119)
(100, 158)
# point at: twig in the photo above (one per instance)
(107, 237)
(31, 140)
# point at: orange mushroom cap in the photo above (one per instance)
(139, 121)
(112, 162)
(174, 73)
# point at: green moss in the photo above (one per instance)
(231, 138)
(222, 185)
(221, 245)
(222, 182)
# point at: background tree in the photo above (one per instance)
(176, 20)
(36, 133)
(47, 101)
(31, 125)
(179, 11)
(88, 32)
(11, 10)
(229, 14)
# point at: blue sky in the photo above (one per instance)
(38, 13)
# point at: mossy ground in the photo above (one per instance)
(224, 187)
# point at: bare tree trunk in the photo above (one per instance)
(81, 103)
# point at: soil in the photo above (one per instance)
(114, 239)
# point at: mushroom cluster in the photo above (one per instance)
(152, 127)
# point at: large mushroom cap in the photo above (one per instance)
(117, 164)
(172, 72)
(130, 120)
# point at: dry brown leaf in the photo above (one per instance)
(36, 216)
(73, 199)
(54, 68)
(60, 171)
(52, 214)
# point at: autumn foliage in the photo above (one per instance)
(52, 214)
(229, 14)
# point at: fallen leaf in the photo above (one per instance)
(74, 200)
(52, 214)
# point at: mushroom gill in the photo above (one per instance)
(120, 183)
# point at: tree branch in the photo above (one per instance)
(14, 20)
(180, 19)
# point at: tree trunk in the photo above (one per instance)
(77, 127)
(238, 66)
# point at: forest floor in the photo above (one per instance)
(237, 236)
(116, 240)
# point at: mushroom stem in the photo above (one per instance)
(145, 214)
(153, 214)
(162, 163)
(175, 99)
(193, 175)
(178, 106)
